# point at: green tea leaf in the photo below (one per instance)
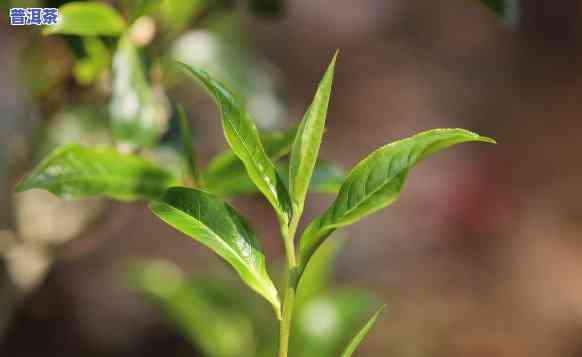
(135, 113)
(88, 68)
(317, 275)
(243, 138)
(92, 18)
(186, 140)
(355, 342)
(211, 313)
(376, 182)
(307, 142)
(327, 179)
(324, 323)
(212, 222)
(226, 174)
(74, 171)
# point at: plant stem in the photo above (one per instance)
(290, 287)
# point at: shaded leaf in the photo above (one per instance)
(88, 19)
(74, 171)
(509, 10)
(357, 339)
(186, 140)
(243, 138)
(136, 117)
(317, 275)
(88, 69)
(323, 324)
(307, 142)
(376, 182)
(212, 222)
(212, 314)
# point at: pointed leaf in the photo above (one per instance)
(186, 140)
(243, 138)
(92, 18)
(357, 340)
(327, 179)
(74, 171)
(136, 115)
(212, 222)
(376, 182)
(226, 171)
(308, 140)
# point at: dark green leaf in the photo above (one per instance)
(74, 171)
(187, 147)
(357, 340)
(212, 222)
(88, 19)
(135, 113)
(509, 10)
(226, 174)
(376, 182)
(243, 138)
(307, 142)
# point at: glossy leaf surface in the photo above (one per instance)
(135, 113)
(376, 182)
(243, 138)
(74, 171)
(308, 140)
(88, 19)
(357, 340)
(212, 222)
(226, 174)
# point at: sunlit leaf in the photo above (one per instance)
(357, 339)
(226, 174)
(307, 142)
(74, 171)
(92, 18)
(243, 138)
(327, 179)
(212, 222)
(135, 114)
(376, 182)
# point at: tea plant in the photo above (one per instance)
(196, 208)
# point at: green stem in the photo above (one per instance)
(290, 287)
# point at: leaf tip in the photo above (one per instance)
(487, 139)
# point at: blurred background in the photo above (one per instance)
(482, 255)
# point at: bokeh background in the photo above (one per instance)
(482, 255)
